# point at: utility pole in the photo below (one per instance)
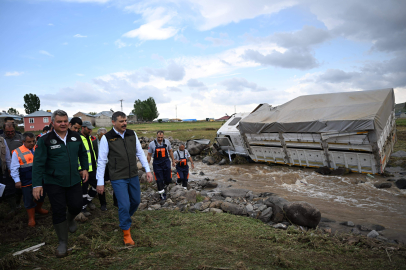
(235, 110)
(176, 109)
(121, 104)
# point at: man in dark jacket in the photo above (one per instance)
(56, 163)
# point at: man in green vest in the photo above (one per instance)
(119, 150)
(88, 141)
(55, 171)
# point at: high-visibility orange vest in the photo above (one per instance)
(25, 158)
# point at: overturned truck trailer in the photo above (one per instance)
(355, 130)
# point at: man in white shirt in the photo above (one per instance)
(119, 150)
(21, 172)
(182, 168)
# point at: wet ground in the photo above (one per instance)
(352, 197)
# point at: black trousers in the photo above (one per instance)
(62, 197)
(89, 193)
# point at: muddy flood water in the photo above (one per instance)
(351, 197)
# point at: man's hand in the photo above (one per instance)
(37, 192)
(85, 176)
(193, 166)
(149, 177)
(100, 189)
(173, 163)
(18, 185)
(81, 174)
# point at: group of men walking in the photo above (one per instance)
(64, 163)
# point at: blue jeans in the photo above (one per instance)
(128, 193)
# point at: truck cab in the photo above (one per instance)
(229, 138)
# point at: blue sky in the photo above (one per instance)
(207, 57)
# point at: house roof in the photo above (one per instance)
(87, 114)
(224, 118)
(4, 115)
(105, 113)
(38, 114)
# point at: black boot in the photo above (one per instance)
(61, 230)
(72, 224)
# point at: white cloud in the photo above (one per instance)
(215, 13)
(156, 26)
(15, 73)
(120, 44)
(50, 24)
(79, 36)
(45, 53)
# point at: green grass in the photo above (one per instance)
(182, 130)
(174, 240)
(401, 122)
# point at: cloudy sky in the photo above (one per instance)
(207, 57)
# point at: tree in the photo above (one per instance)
(13, 111)
(32, 103)
(93, 113)
(154, 110)
(146, 109)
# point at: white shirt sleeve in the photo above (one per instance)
(102, 160)
(175, 155)
(15, 165)
(8, 155)
(187, 155)
(141, 155)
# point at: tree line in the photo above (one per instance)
(145, 110)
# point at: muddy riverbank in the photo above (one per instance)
(351, 197)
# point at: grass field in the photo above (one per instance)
(182, 131)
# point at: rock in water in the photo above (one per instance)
(383, 185)
(211, 184)
(223, 162)
(234, 193)
(340, 171)
(209, 160)
(233, 208)
(303, 214)
(194, 148)
(373, 234)
(348, 223)
(401, 183)
(323, 170)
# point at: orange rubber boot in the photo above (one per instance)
(39, 210)
(128, 241)
(31, 217)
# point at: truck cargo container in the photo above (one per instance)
(355, 130)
